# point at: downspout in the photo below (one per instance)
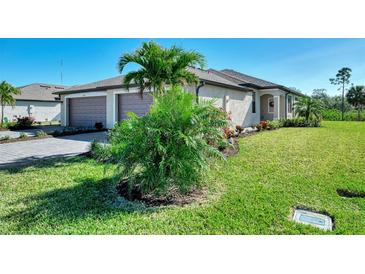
(201, 84)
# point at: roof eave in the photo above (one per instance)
(227, 86)
(39, 100)
(284, 88)
(90, 89)
(69, 91)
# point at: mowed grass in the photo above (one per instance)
(252, 193)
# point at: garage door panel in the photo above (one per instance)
(86, 111)
(133, 103)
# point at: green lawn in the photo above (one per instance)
(252, 193)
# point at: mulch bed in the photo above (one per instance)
(172, 198)
(68, 133)
(14, 140)
(232, 149)
(350, 194)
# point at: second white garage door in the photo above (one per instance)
(133, 103)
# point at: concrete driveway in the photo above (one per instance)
(25, 152)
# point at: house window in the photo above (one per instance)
(290, 104)
(271, 105)
(253, 102)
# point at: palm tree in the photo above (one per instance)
(308, 108)
(356, 97)
(160, 67)
(6, 97)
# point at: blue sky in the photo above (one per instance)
(302, 63)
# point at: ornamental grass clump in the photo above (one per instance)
(171, 147)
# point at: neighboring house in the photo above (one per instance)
(248, 99)
(37, 101)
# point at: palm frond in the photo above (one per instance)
(160, 66)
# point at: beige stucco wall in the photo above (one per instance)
(237, 103)
(39, 110)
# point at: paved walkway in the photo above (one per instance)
(20, 153)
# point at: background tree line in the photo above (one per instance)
(349, 106)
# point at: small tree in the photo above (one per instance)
(342, 79)
(356, 97)
(170, 147)
(308, 108)
(160, 67)
(7, 92)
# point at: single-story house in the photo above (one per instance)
(248, 99)
(37, 101)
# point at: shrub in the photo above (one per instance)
(100, 152)
(5, 138)
(228, 132)
(171, 147)
(23, 135)
(239, 129)
(7, 124)
(264, 124)
(258, 127)
(23, 123)
(300, 122)
(275, 124)
(40, 133)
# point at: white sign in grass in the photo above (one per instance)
(312, 218)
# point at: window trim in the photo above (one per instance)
(268, 104)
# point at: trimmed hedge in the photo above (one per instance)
(300, 122)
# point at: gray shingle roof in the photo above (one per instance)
(211, 77)
(247, 79)
(114, 82)
(250, 81)
(39, 92)
(227, 78)
(117, 82)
